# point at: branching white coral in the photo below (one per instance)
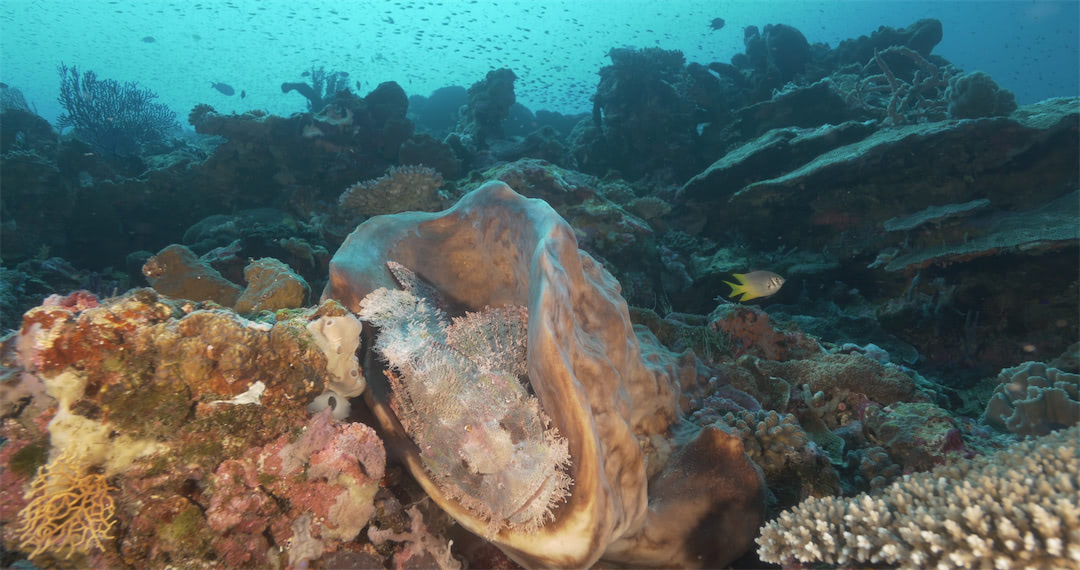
(1018, 508)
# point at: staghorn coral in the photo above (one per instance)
(919, 98)
(70, 509)
(586, 366)
(1017, 508)
(401, 189)
(1034, 399)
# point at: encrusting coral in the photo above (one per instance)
(1018, 508)
(402, 188)
(1034, 399)
(771, 440)
(495, 248)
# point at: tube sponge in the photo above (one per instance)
(339, 337)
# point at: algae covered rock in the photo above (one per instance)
(272, 285)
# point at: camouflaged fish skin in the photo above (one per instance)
(482, 436)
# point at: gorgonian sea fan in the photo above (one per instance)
(114, 118)
(459, 394)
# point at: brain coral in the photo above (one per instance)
(1018, 508)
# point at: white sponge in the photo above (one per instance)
(338, 338)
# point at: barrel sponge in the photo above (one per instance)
(1034, 399)
(1017, 508)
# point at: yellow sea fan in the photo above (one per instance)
(70, 509)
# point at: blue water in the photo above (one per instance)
(555, 47)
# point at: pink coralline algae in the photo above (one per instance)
(197, 419)
(330, 473)
(751, 331)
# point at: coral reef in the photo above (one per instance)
(489, 103)
(186, 426)
(322, 87)
(515, 344)
(1034, 399)
(401, 189)
(643, 118)
(1015, 508)
(976, 94)
(495, 248)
